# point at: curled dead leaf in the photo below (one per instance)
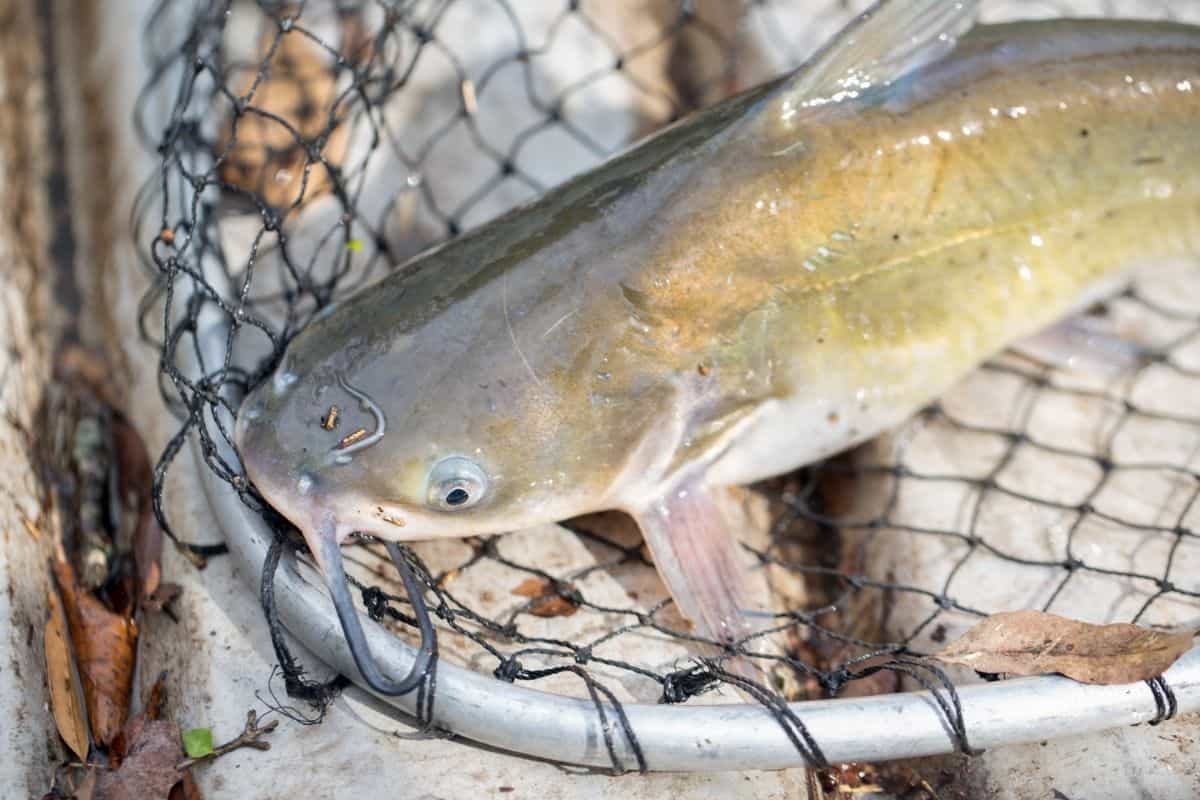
(186, 789)
(1037, 643)
(135, 480)
(149, 769)
(66, 696)
(104, 644)
(548, 599)
(156, 702)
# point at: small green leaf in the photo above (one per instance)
(354, 245)
(197, 742)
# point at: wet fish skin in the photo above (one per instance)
(758, 287)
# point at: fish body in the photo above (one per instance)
(755, 288)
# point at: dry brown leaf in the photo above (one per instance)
(147, 555)
(186, 789)
(135, 481)
(156, 702)
(266, 148)
(531, 587)
(32, 529)
(104, 644)
(65, 693)
(1036, 643)
(148, 771)
(547, 597)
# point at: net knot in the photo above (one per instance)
(835, 680)
(509, 670)
(583, 654)
(376, 602)
(684, 684)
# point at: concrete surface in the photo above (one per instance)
(27, 325)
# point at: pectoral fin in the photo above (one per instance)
(1086, 344)
(697, 556)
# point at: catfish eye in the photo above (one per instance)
(456, 483)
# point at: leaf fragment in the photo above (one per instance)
(149, 769)
(198, 742)
(547, 598)
(1037, 643)
(186, 789)
(135, 485)
(66, 695)
(104, 644)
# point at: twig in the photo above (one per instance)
(197, 559)
(249, 737)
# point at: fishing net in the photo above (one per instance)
(310, 147)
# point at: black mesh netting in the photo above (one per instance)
(309, 147)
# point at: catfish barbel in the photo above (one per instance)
(755, 288)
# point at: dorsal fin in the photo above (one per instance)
(882, 45)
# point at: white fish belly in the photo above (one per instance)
(788, 434)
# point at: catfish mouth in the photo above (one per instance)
(302, 490)
(302, 497)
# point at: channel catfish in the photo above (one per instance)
(759, 286)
